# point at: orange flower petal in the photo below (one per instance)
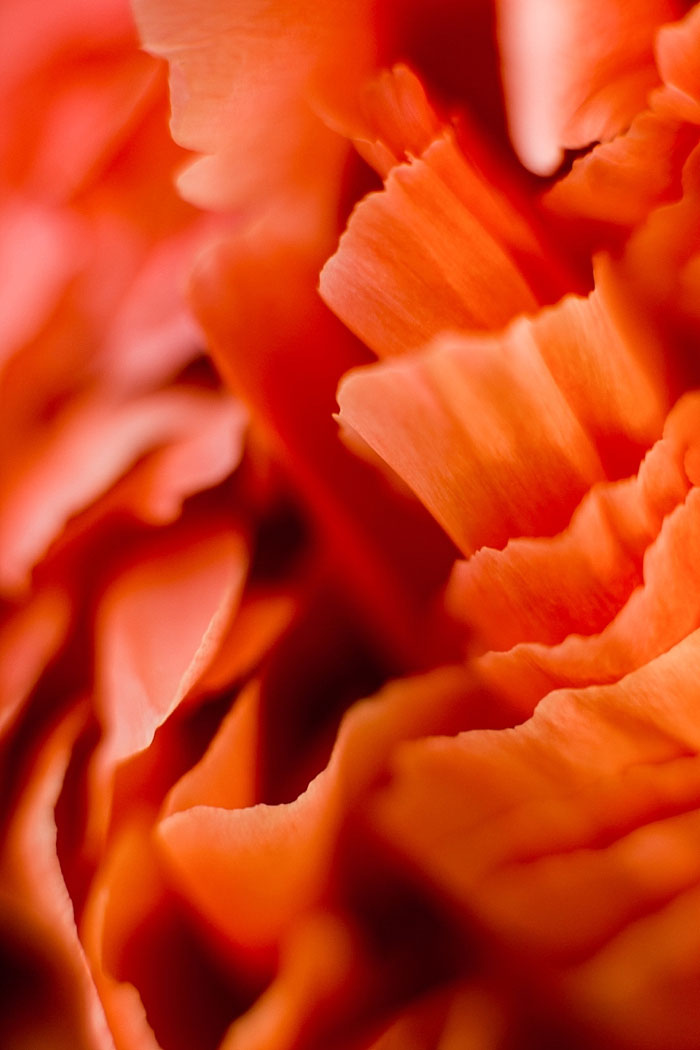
(438, 248)
(208, 449)
(159, 627)
(125, 890)
(244, 71)
(620, 181)
(541, 589)
(677, 55)
(278, 856)
(315, 977)
(93, 443)
(396, 121)
(29, 638)
(263, 342)
(30, 870)
(657, 615)
(638, 979)
(257, 625)
(564, 832)
(30, 293)
(462, 424)
(575, 71)
(465, 1015)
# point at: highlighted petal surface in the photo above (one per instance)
(575, 71)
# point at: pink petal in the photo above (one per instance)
(575, 71)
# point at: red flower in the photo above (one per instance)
(478, 224)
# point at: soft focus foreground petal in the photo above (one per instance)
(51, 55)
(438, 248)
(243, 78)
(542, 589)
(278, 857)
(152, 334)
(30, 293)
(98, 96)
(209, 449)
(118, 321)
(92, 444)
(155, 489)
(560, 834)
(575, 71)
(30, 870)
(462, 424)
(159, 983)
(638, 979)
(283, 353)
(28, 38)
(159, 626)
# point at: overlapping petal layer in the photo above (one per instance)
(576, 72)
(209, 827)
(569, 837)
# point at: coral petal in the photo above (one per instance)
(575, 71)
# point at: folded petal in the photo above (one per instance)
(542, 589)
(462, 424)
(239, 72)
(575, 72)
(283, 353)
(439, 248)
(677, 55)
(619, 182)
(159, 627)
(93, 443)
(570, 840)
(29, 638)
(30, 870)
(278, 857)
(227, 775)
(659, 613)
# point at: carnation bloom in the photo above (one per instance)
(372, 725)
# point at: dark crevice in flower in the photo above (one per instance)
(199, 372)
(38, 1005)
(407, 933)
(65, 678)
(145, 779)
(281, 537)
(320, 668)
(71, 817)
(358, 180)
(189, 999)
